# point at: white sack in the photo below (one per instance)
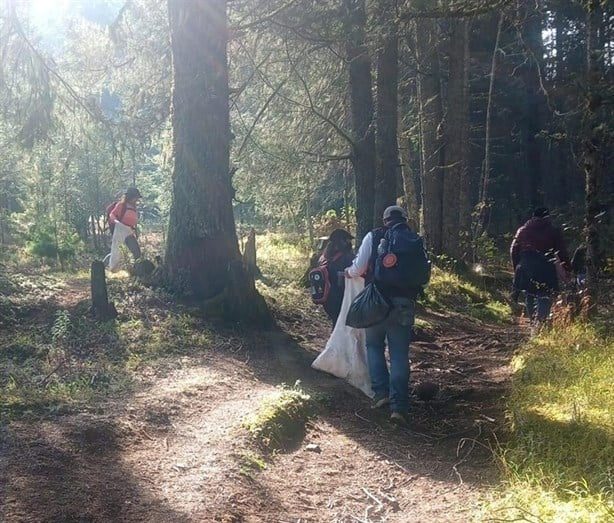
(345, 354)
(120, 233)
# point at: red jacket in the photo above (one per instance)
(538, 234)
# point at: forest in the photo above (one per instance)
(252, 129)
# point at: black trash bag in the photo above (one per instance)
(369, 308)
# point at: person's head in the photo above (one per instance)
(339, 240)
(132, 194)
(541, 212)
(394, 214)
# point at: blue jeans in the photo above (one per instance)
(538, 307)
(396, 330)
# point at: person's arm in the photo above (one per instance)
(117, 211)
(361, 262)
(515, 251)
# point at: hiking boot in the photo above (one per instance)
(380, 401)
(396, 418)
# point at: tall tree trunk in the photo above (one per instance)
(430, 119)
(531, 121)
(386, 143)
(361, 108)
(597, 150)
(481, 220)
(203, 257)
(410, 197)
(407, 153)
(457, 213)
(559, 26)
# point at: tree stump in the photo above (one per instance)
(102, 309)
(249, 256)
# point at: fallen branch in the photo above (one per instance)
(371, 496)
(51, 373)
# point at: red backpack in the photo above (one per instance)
(108, 212)
(319, 280)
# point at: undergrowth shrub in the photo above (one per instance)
(53, 243)
(280, 419)
(559, 462)
(280, 261)
(448, 291)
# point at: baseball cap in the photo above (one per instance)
(394, 209)
(133, 192)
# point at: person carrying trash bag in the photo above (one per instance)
(123, 218)
(394, 263)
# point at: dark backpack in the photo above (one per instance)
(401, 260)
(319, 280)
(108, 211)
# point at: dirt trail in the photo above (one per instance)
(175, 450)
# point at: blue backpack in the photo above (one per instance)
(401, 260)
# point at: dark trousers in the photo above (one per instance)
(133, 246)
(333, 306)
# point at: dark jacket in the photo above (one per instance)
(539, 235)
(337, 284)
(533, 253)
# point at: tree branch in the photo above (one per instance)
(73, 94)
(312, 106)
(265, 18)
(464, 9)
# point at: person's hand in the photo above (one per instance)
(346, 273)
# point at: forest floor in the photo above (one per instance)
(171, 447)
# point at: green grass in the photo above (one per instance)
(250, 462)
(448, 291)
(283, 265)
(167, 336)
(282, 260)
(559, 462)
(56, 369)
(69, 360)
(280, 419)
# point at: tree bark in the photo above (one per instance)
(531, 121)
(203, 257)
(102, 309)
(430, 119)
(597, 146)
(362, 153)
(249, 255)
(410, 196)
(386, 143)
(559, 26)
(487, 126)
(457, 212)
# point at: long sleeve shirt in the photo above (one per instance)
(360, 265)
(540, 235)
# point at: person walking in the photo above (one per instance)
(535, 250)
(391, 387)
(338, 254)
(123, 218)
